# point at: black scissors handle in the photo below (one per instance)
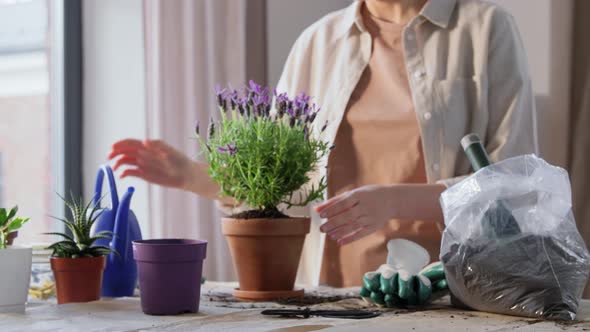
(306, 313)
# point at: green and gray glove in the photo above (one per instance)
(404, 280)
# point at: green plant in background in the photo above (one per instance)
(264, 158)
(80, 243)
(9, 223)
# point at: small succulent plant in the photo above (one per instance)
(80, 242)
(263, 156)
(9, 223)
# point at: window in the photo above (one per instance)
(32, 147)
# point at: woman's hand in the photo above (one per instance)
(362, 211)
(159, 163)
(355, 214)
(153, 161)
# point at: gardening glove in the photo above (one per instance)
(404, 279)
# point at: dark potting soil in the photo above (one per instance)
(310, 299)
(260, 214)
(525, 275)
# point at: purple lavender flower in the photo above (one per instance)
(253, 87)
(280, 97)
(234, 98)
(258, 100)
(312, 117)
(221, 94)
(324, 126)
(267, 110)
(301, 102)
(211, 128)
(247, 109)
(306, 133)
(197, 128)
(291, 112)
(256, 89)
(315, 108)
(229, 148)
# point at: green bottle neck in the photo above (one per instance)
(475, 152)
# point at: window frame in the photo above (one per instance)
(66, 99)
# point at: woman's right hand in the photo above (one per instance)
(153, 161)
(159, 163)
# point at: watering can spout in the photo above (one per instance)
(121, 227)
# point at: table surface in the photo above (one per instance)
(219, 311)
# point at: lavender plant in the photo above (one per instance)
(263, 156)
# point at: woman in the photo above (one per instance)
(400, 83)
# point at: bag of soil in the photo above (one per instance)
(511, 245)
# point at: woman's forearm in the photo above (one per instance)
(199, 182)
(415, 201)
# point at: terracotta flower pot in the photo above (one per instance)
(78, 279)
(266, 255)
(11, 236)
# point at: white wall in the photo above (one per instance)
(114, 93)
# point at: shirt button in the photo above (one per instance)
(427, 116)
(419, 74)
(435, 167)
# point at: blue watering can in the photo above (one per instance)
(120, 274)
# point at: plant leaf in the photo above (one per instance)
(104, 233)
(12, 212)
(64, 235)
(63, 243)
(101, 251)
(3, 217)
(16, 224)
(98, 237)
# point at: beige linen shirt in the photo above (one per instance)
(467, 71)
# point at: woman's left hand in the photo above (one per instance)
(362, 211)
(356, 213)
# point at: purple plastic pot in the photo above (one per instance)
(170, 273)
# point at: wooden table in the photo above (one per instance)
(221, 312)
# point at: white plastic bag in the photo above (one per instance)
(538, 271)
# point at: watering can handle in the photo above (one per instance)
(106, 169)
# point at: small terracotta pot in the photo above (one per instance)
(266, 255)
(78, 279)
(11, 236)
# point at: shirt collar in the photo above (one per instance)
(438, 12)
(352, 18)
